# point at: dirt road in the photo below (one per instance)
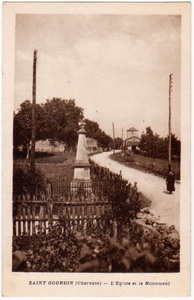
(164, 205)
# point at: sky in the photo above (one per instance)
(116, 67)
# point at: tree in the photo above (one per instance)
(93, 131)
(22, 125)
(92, 128)
(175, 145)
(56, 120)
(157, 147)
(104, 140)
(63, 117)
(118, 143)
(148, 142)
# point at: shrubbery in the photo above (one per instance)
(147, 164)
(123, 196)
(135, 250)
(23, 183)
(157, 147)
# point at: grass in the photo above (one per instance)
(56, 158)
(54, 165)
(147, 164)
(59, 165)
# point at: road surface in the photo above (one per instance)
(163, 205)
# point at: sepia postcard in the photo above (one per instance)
(96, 149)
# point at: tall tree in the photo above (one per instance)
(94, 131)
(56, 120)
(63, 117)
(23, 125)
(156, 146)
(118, 143)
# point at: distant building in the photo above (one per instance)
(132, 141)
(56, 147)
(91, 145)
(46, 146)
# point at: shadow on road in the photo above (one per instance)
(165, 192)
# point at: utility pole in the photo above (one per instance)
(33, 138)
(169, 122)
(113, 128)
(122, 141)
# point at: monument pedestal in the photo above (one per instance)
(82, 165)
(81, 172)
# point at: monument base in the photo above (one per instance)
(82, 179)
(80, 182)
(82, 173)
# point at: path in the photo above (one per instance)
(164, 205)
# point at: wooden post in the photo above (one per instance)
(19, 219)
(24, 218)
(14, 217)
(33, 138)
(49, 195)
(169, 123)
(114, 229)
(33, 219)
(28, 217)
(50, 214)
(113, 128)
(41, 218)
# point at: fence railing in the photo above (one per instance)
(39, 216)
(74, 205)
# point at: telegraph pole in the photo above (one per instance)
(122, 140)
(33, 138)
(113, 128)
(169, 122)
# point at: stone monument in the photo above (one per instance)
(82, 165)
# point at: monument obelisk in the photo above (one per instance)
(82, 165)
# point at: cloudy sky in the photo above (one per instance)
(116, 67)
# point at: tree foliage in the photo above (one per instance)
(56, 120)
(94, 131)
(25, 183)
(118, 143)
(63, 118)
(123, 196)
(23, 124)
(136, 250)
(155, 146)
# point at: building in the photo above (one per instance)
(132, 141)
(47, 146)
(91, 145)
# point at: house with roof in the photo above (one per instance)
(47, 146)
(132, 141)
(91, 145)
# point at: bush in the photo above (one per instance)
(24, 183)
(147, 164)
(123, 196)
(136, 250)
